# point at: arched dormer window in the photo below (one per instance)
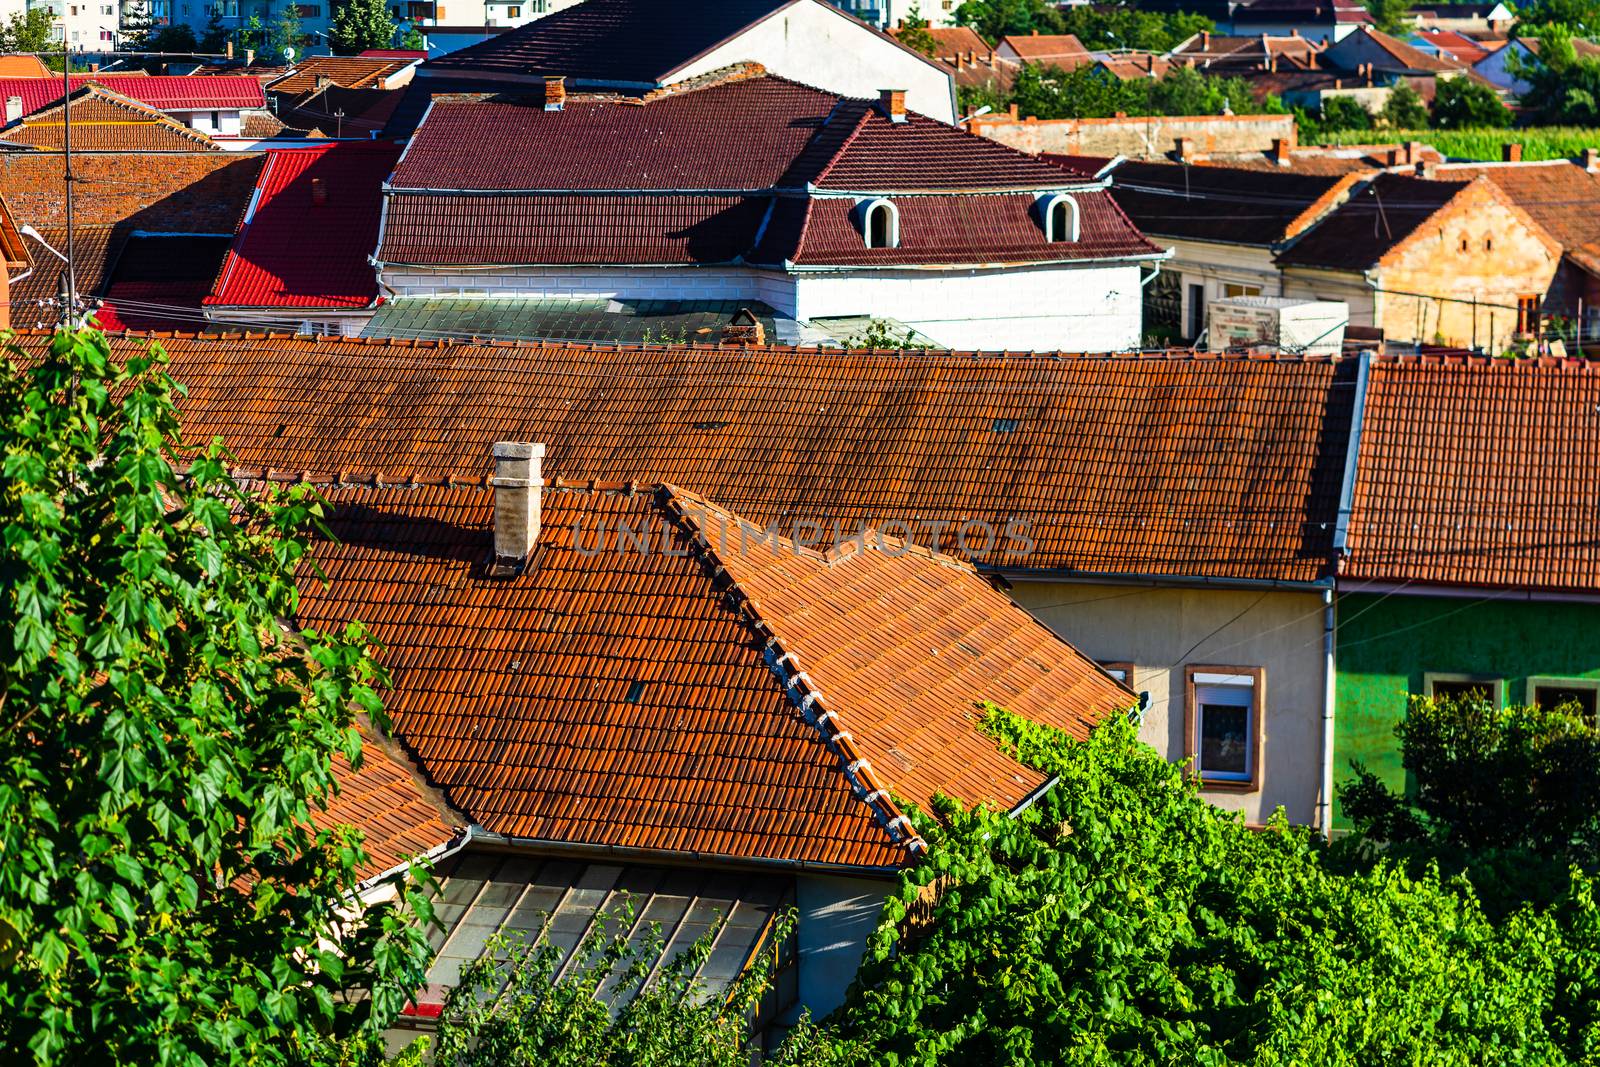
(880, 224)
(1059, 214)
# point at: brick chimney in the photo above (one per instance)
(1424, 169)
(555, 92)
(892, 102)
(319, 192)
(518, 482)
(1511, 153)
(1283, 151)
(13, 109)
(744, 329)
(1591, 159)
(1185, 149)
(1205, 40)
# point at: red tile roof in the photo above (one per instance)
(1213, 466)
(398, 818)
(1460, 48)
(104, 121)
(721, 149)
(1054, 50)
(1479, 472)
(296, 252)
(162, 92)
(349, 72)
(158, 282)
(633, 699)
(952, 40)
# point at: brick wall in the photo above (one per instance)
(1137, 138)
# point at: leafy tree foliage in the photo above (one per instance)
(1121, 919)
(1050, 93)
(1390, 16)
(413, 39)
(286, 32)
(1563, 88)
(361, 24)
(164, 895)
(913, 33)
(29, 31)
(216, 37)
(1581, 17)
(1097, 26)
(1461, 104)
(1404, 110)
(178, 37)
(1344, 113)
(1509, 795)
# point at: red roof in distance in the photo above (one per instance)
(162, 92)
(315, 222)
(394, 53)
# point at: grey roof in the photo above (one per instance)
(584, 319)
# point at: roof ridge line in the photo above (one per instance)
(802, 692)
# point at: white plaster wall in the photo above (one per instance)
(1081, 309)
(836, 916)
(228, 123)
(1155, 629)
(617, 283)
(1333, 285)
(814, 43)
(1214, 266)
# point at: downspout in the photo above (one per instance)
(1341, 534)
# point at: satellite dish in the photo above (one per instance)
(288, 54)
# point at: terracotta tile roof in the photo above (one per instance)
(342, 112)
(1221, 53)
(296, 252)
(1374, 220)
(627, 43)
(95, 249)
(260, 124)
(1461, 49)
(1479, 472)
(1054, 50)
(202, 192)
(349, 72)
(1326, 160)
(953, 40)
(162, 92)
(632, 699)
(1132, 67)
(104, 121)
(1221, 204)
(1559, 195)
(23, 66)
(1402, 56)
(1214, 466)
(398, 818)
(768, 133)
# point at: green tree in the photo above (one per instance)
(414, 39)
(1564, 89)
(1119, 26)
(29, 31)
(1404, 110)
(1390, 16)
(361, 24)
(215, 39)
(994, 19)
(1344, 113)
(178, 37)
(1580, 17)
(1510, 796)
(1463, 104)
(164, 896)
(1121, 919)
(913, 33)
(286, 31)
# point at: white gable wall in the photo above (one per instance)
(813, 43)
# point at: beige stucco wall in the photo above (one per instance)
(1137, 138)
(1155, 629)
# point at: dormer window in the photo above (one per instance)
(880, 224)
(1060, 217)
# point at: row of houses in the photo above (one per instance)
(717, 612)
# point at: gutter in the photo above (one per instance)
(438, 852)
(1155, 581)
(481, 836)
(1352, 452)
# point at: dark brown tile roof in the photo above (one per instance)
(1375, 219)
(632, 699)
(95, 249)
(1219, 204)
(349, 72)
(1561, 196)
(1479, 472)
(1216, 466)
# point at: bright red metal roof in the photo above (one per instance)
(163, 92)
(296, 252)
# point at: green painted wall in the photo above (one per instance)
(1386, 645)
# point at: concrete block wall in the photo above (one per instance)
(1138, 138)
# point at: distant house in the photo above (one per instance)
(1224, 54)
(641, 45)
(1367, 49)
(952, 41)
(1326, 21)
(214, 106)
(1472, 559)
(1046, 50)
(1457, 263)
(1225, 227)
(756, 189)
(300, 258)
(1483, 19)
(1499, 67)
(1450, 45)
(101, 121)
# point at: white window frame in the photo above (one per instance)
(1048, 206)
(865, 209)
(1548, 681)
(1495, 685)
(1240, 687)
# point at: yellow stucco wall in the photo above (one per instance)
(1162, 630)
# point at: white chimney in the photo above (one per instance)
(13, 109)
(518, 479)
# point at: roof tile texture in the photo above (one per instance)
(1479, 472)
(1215, 203)
(162, 92)
(350, 72)
(1362, 230)
(397, 820)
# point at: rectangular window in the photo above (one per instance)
(1558, 692)
(513, 12)
(1222, 724)
(1197, 311)
(1445, 686)
(1527, 314)
(1120, 670)
(1232, 289)
(310, 11)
